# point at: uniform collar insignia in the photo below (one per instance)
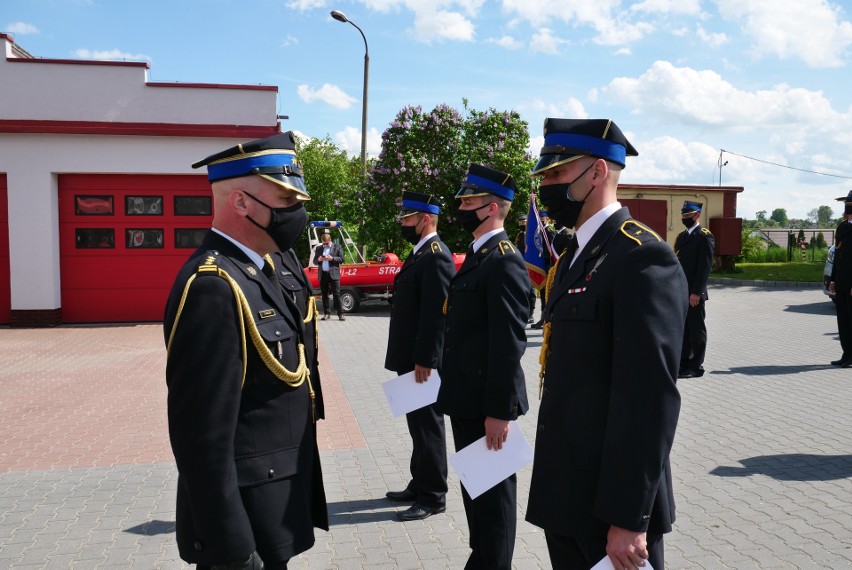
(595, 268)
(251, 270)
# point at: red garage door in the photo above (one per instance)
(652, 213)
(123, 239)
(5, 276)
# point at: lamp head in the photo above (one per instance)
(339, 16)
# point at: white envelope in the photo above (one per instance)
(405, 395)
(480, 468)
(606, 564)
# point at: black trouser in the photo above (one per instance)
(532, 302)
(428, 456)
(328, 284)
(492, 518)
(694, 339)
(844, 319)
(582, 553)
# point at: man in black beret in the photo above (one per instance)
(242, 404)
(601, 481)
(482, 382)
(415, 343)
(841, 283)
(694, 249)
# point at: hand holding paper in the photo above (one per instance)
(405, 394)
(480, 468)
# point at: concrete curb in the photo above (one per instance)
(761, 283)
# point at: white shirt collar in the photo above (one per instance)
(480, 241)
(253, 255)
(423, 240)
(585, 232)
(693, 228)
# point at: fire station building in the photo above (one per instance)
(99, 206)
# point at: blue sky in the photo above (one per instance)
(765, 79)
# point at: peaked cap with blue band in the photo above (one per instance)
(569, 139)
(690, 208)
(272, 158)
(418, 202)
(481, 180)
(846, 199)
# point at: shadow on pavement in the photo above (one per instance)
(792, 467)
(772, 369)
(371, 510)
(152, 528)
(824, 308)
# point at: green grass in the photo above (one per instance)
(807, 272)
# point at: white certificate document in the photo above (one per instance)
(405, 395)
(606, 564)
(480, 468)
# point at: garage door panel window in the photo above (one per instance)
(193, 206)
(144, 238)
(95, 238)
(189, 238)
(93, 205)
(143, 205)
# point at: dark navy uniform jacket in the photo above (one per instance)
(841, 271)
(484, 339)
(243, 440)
(416, 334)
(610, 405)
(695, 253)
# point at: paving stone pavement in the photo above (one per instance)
(762, 460)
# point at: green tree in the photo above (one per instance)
(334, 182)
(430, 152)
(780, 216)
(760, 218)
(825, 215)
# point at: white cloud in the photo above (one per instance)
(667, 160)
(606, 17)
(686, 7)
(113, 54)
(442, 25)
(329, 94)
(289, 41)
(21, 28)
(303, 5)
(711, 39)
(543, 41)
(807, 29)
(507, 42)
(704, 98)
(623, 51)
(349, 140)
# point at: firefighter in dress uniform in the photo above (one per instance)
(415, 343)
(242, 401)
(694, 249)
(601, 481)
(482, 381)
(841, 283)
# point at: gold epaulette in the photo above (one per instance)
(639, 232)
(705, 231)
(436, 247)
(506, 245)
(210, 262)
(446, 302)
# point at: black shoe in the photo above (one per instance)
(840, 362)
(342, 318)
(687, 374)
(418, 512)
(847, 364)
(538, 325)
(405, 496)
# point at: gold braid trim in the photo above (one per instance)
(545, 333)
(243, 346)
(292, 379)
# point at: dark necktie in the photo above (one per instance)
(571, 249)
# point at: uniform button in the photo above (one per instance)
(198, 546)
(548, 352)
(446, 329)
(271, 473)
(540, 428)
(277, 333)
(573, 310)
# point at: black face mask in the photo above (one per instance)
(409, 233)
(560, 206)
(688, 222)
(469, 220)
(847, 209)
(285, 224)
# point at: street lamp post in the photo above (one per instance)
(340, 17)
